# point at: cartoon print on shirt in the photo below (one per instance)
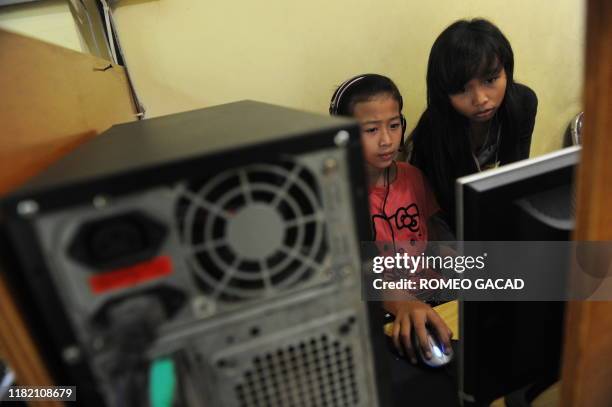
(408, 218)
(405, 217)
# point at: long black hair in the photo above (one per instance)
(441, 145)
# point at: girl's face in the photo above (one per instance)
(381, 129)
(481, 97)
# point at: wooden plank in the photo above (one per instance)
(53, 97)
(587, 362)
(17, 347)
(52, 100)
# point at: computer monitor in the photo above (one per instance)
(507, 346)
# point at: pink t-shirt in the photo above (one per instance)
(402, 226)
(410, 203)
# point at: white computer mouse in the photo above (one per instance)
(438, 356)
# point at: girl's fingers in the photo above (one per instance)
(406, 340)
(444, 334)
(421, 332)
(395, 336)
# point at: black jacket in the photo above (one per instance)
(516, 147)
(515, 144)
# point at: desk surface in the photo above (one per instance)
(449, 312)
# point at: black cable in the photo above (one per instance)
(130, 328)
(388, 187)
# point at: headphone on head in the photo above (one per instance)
(333, 110)
(346, 85)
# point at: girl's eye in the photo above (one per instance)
(491, 80)
(370, 130)
(395, 125)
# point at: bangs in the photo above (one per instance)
(468, 60)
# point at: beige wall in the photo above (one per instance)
(48, 20)
(186, 54)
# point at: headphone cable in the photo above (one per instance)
(388, 187)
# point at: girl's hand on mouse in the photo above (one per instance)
(415, 315)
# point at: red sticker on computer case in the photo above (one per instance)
(130, 276)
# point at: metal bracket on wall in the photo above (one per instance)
(94, 20)
(90, 24)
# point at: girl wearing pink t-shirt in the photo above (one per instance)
(401, 203)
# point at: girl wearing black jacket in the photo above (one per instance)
(477, 117)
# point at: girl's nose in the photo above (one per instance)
(385, 137)
(479, 97)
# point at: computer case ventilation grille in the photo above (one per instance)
(316, 372)
(252, 230)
